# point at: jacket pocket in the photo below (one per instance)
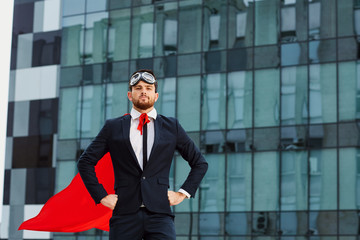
(164, 181)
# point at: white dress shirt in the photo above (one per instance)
(136, 138)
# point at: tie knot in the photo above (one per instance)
(144, 119)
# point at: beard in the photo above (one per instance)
(143, 105)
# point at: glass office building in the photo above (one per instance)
(268, 90)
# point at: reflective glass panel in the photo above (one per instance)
(65, 172)
(349, 91)
(240, 25)
(294, 180)
(294, 137)
(166, 103)
(166, 29)
(345, 18)
(292, 223)
(71, 7)
(266, 22)
(323, 223)
(293, 54)
(69, 109)
(323, 135)
(349, 134)
(119, 35)
(71, 76)
(165, 66)
(348, 49)
(72, 45)
(266, 181)
(294, 95)
(267, 97)
(239, 177)
(96, 5)
(240, 59)
(322, 51)
(322, 93)
(266, 139)
(214, 61)
(240, 99)
(214, 100)
(213, 186)
(188, 103)
(190, 26)
(189, 64)
(237, 224)
(182, 169)
(349, 224)
(323, 179)
(116, 100)
(92, 110)
(267, 56)
(96, 37)
(210, 224)
(349, 178)
(142, 27)
(214, 25)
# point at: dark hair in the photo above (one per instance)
(144, 70)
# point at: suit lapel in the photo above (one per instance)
(126, 136)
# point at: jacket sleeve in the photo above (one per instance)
(188, 150)
(88, 160)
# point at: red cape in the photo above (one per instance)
(73, 209)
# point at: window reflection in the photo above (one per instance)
(239, 182)
(266, 26)
(240, 24)
(322, 90)
(294, 95)
(323, 179)
(214, 27)
(294, 180)
(167, 97)
(92, 112)
(95, 38)
(119, 35)
(239, 99)
(166, 29)
(267, 101)
(142, 39)
(70, 106)
(72, 46)
(349, 178)
(314, 20)
(190, 26)
(116, 100)
(266, 181)
(213, 110)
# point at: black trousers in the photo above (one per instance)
(142, 225)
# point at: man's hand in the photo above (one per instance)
(110, 201)
(175, 197)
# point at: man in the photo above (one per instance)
(142, 146)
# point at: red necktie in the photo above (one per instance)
(142, 127)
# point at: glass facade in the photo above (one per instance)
(268, 89)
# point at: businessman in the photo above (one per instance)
(142, 145)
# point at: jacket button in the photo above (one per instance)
(144, 178)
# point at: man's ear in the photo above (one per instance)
(129, 94)
(156, 96)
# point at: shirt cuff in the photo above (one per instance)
(184, 192)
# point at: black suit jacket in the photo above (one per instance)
(132, 185)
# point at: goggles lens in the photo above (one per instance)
(147, 77)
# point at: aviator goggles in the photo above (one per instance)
(147, 77)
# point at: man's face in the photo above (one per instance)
(143, 96)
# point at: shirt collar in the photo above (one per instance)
(136, 114)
